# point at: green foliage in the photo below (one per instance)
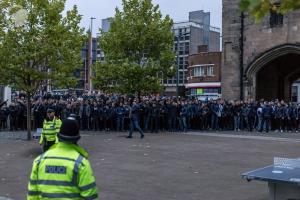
(261, 8)
(138, 49)
(46, 47)
(128, 78)
(38, 45)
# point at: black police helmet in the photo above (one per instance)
(69, 130)
(50, 110)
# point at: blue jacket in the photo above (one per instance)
(215, 109)
(267, 111)
(134, 113)
(120, 111)
(184, 111)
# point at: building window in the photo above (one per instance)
(176, 31)
(180, 75)
(181, 61)
(199, 71)
(212, 90)
(276, 19)
(187, 30)
(210, 71)
(294, 94)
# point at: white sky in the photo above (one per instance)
(177, 9)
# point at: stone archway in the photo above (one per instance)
(270, 75)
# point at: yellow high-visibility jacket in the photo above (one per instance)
(50, 130)
(63, 172)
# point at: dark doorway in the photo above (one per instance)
(275, 79)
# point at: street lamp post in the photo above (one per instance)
(90, 58)
(177, 68)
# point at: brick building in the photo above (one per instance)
(188, 36)
(260, 60)
(204, 80)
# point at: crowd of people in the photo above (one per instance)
(155, 114)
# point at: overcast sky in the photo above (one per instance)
(177, 9)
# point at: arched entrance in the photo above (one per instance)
(272, 74)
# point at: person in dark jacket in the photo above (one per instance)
(244, 117)
(194, 115)
(266, 117)
(126, 115)
(154, 117)
(171, 115)
(95, 116)
(214, 116)
(205, 117)
(279, 117)
(251, 113)
(288, 117)
(237, 115)
(134, 117)
(294, 118)
(13, 117)
(146, 115)
(3, 117)
(21, 115)
(183, 116)
(120, 111)
(162, 116)
(39, 114)
(84, 113)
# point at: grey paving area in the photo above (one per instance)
(192, 166)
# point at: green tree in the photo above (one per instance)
(261, 8)
(137, 48)
(45, 48)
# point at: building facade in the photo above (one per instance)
(204, 79)
(5, 94)
(188, 36)
(260, 60)
(105, 24)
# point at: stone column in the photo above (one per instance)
(231, 50)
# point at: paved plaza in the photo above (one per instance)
(165, 166)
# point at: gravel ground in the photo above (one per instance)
(194, 166)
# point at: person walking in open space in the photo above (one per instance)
(134, 123)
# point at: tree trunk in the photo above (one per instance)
(28, 117)
(139, 96)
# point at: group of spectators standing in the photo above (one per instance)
(154, 114)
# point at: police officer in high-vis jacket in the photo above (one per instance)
(63, 172)
(51, 127)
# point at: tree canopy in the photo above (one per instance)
(44, 48)
(261, 8)
(137, 48)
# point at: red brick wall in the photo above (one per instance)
(206, 58)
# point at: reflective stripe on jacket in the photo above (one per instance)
(50, 130)
(63, 172)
